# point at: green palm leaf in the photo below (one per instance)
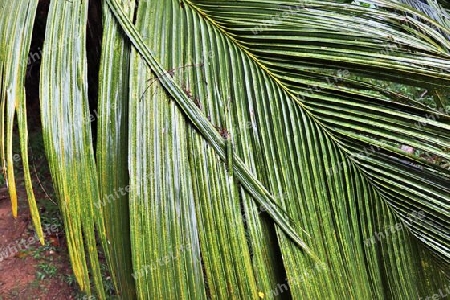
(402, 286)
(16, 28)
(257, 147)
(67, 135)
(112, 153)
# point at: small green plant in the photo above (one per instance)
(69, 279)
(39, 252)
(82, 296)
(46, 270)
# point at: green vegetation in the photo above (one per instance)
(239, 149)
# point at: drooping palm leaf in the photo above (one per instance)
(112, 153)
(322, 150)
(16, 27)
(67, 135)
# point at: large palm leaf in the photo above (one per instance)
(258, 160)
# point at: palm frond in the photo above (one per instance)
(112, 152)
(274, 146)
(258, 151)
(67, 135)
(16, 27)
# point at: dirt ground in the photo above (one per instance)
(27, 269)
